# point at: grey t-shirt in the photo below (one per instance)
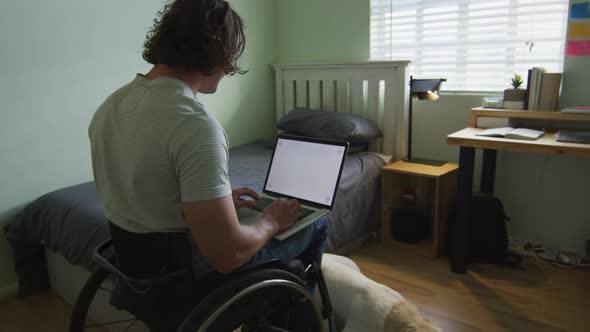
(153, 147)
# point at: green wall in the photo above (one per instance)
(546, 196)
(323, 30)
(245, 104)
(60, 59)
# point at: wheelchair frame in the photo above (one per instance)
(208, 310)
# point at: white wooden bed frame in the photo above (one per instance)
(375, 90)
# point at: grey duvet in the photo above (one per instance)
(71, 220)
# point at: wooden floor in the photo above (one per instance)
(539, 298)
(42, 312)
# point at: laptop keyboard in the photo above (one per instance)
(263, 202)
(568, 136)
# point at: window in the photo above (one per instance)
(477, 45)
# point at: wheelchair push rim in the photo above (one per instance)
(269, 283)
(266, 300)
(80, 320)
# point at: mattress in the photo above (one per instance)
(67, 280)
(71, 221)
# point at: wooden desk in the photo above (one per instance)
(468, 142)
(545, 144)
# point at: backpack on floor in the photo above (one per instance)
(487, 234)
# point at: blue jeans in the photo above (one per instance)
(306, 245)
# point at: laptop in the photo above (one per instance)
(307, 169)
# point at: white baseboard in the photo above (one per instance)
(9, 290)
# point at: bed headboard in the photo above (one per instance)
(374, 90)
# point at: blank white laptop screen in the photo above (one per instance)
(305, 170)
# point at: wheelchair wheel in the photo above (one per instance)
(95, 287)
(267, 300)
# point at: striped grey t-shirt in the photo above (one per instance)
(153, 147)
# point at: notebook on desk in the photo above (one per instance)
(509, 132)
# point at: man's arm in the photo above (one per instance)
(226, 244)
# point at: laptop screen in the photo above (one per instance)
(306, 169)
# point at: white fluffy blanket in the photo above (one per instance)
(365, 306)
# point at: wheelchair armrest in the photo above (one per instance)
(104, 262)
(273, 263)
(147, 283)
(295, 267)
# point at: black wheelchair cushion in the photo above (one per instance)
(145, 255)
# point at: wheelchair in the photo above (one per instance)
(271, 296)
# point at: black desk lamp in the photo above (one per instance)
(422, 89)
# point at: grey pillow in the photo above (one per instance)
(329, 125)
(358, 147)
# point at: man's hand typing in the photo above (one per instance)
(237, 195)
(284, 212)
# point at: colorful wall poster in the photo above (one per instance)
(578, 35)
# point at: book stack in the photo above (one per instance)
(542, 90)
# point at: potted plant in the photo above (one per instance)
(514, 98)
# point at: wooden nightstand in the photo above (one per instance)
(435, 189)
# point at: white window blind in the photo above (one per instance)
(477, 45)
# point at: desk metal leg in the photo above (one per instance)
(464, 193)
(488, 171)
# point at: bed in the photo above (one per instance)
(54, 236)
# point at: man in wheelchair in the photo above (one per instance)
(160, 162)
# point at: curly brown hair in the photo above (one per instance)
(197, 35)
